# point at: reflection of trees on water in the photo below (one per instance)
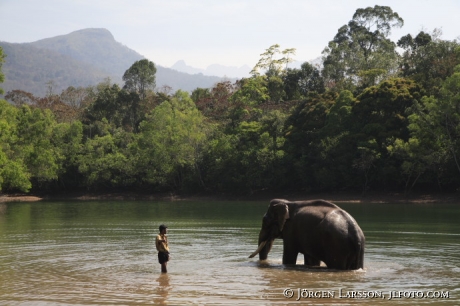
(3, 208)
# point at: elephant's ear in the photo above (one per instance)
(282, 214)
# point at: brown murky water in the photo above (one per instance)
(102, 253)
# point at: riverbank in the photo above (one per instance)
(19, 198)
(259, 196)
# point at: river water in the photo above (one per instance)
(103, 253)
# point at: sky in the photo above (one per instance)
(205, 32)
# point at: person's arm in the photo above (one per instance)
(160, 244)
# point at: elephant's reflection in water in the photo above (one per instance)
(277, 278)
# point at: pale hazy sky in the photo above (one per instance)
(204, 32)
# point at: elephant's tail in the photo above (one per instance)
(357, 241)
(359, 262)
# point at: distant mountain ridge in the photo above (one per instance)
(96, 47)
(232, 71)
(214, 69)
(81, 58)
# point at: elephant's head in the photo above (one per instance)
(272, 227)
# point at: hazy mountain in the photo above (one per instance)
(96, 47)
(30, 69)
(229, 71)
(232, 71)
(82, 58)
(214, 70)
(183, 67)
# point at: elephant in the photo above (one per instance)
(318, 229)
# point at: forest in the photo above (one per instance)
(376, 115)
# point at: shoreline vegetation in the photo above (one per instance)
(368, 124)
(261, 196)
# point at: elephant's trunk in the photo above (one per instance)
(263, 254)
(261, 246)
(272, 227)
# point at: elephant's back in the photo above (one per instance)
(314, 211)
(343, 221)
(315, 203)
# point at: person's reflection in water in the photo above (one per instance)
(163, 289)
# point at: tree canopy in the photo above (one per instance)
(367, 119)
(2, 76)
(361, 52)
(140, 77)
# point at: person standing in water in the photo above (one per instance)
(161, 243)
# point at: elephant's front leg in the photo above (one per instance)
(289, 254)
(310, 261)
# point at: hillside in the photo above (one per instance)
(30, 69)
(81, 58)
(96, 47)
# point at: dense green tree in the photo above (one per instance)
(27, 156)
(34, 144)
(119, 107)
(274, 68)
(249, 95)
(14, 174)
(2, 76)
(215, 103)
(199, 94)
(171, 143)
(105, 161)
(303, 130)
(380, 117)
(292, 84)
(383, 110)
(413, 44)
(249, 158)
(105, 106)
(275, 87)
(298, 83)
(140, 77)
(259, 154)
(434, 124)
(337, 148)
(68, 139)
(252, 91)
(428, 60)
(273, 139)
(271, 63)
(361, 52)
